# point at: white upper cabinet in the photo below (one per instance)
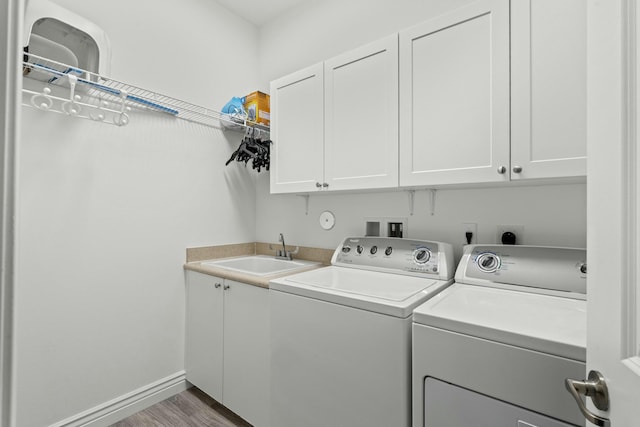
(361, 117)
(454, 94)
(297, 131)
(549, 93)
(487, 93)
(335, 125)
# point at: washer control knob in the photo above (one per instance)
(421, 255)
(388, 251)
(346, 249)
(359, 249)
(373, 250)
(583, 268)
(488, 262)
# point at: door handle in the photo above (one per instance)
(595, 388)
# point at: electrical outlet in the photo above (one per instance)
(518, 230)
(469, 227)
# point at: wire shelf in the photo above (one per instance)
(80, 93)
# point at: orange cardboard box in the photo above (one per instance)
(256, 104)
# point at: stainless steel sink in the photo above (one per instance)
(259, 265)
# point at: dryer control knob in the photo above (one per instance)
(373, 250)
(359, 249)
(488, 262)
(388, 251)
(421, 255)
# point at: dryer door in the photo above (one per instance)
(448, 405)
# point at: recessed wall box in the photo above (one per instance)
(372, 229)
(386, 227)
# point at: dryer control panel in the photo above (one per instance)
(398, 256)
(559, 270)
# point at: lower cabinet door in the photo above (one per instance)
(204, 333)
(246, 352)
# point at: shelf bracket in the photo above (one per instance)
(412, 195)
(432, 201)
(306, 203)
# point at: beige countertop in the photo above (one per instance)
(196, 257)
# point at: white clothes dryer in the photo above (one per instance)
(494, 348)
(341, 335)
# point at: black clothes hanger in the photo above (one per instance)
(253, 149)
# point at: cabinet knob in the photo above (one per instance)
(517, 169)
(318, 185)
(217, 285)
(325, 185)
(502, 170)
(226, 287)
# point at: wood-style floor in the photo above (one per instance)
(190, 408)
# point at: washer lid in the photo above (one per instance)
(385, 293)
(548, 324)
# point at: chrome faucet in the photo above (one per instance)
(284, 248)
(284, 253)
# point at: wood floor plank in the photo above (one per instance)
(191, 408)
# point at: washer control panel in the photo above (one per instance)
(533, 267)
(396, 255)
(488, 262)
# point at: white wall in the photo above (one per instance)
(105, 213)
(318, 30)
(551, 215)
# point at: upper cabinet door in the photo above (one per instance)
(361, 117)
(549, 92)
(297, 131)
(454, 91)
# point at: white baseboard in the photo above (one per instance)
(128, 404)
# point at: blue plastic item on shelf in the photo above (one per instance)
(234, 106)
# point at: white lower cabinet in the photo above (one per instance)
(227, 344)
(204, 338)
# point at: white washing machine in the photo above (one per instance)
(494, 348)
(341, 335)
